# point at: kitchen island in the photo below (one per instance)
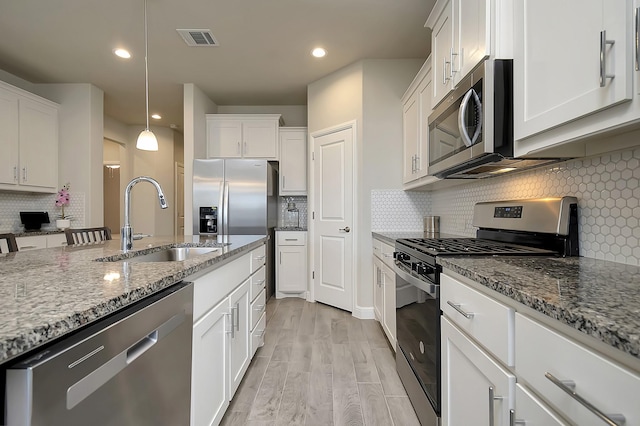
(48, 293)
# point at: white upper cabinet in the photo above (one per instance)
(28, 141)
(242, 136)
(460, 40)
(293, 161)
(571, 59)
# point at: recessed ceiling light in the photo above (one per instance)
(156, 116)
(122, 53)
(318, 52)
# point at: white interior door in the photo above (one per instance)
(333, 208)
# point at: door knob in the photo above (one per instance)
(345, 229)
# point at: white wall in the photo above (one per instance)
(80, 142)
(370, 93)
(292, 115)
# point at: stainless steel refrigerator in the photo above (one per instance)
(237, 197)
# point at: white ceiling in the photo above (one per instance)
(263, 57)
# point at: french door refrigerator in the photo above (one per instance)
(241, 196)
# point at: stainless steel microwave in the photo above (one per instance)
(471, 130)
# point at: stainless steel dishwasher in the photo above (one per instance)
(133, 368)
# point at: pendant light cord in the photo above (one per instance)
(146, 65)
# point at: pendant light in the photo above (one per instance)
(146, 139)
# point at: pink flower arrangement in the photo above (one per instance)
(63, 199)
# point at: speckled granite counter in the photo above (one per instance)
(596, 297)
(39, 232)
(47, 293)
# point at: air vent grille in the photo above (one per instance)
(198, 38)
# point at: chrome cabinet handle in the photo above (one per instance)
(492, 399)
(451, 55)
(637, 37)
(417, 163)
(345, 229)
(455, 306)
(233, 321)
(284, 185)
(444, 71)
(238, 316)
(413, 164)
(603, 58)
(568, 386)
(512, 419)
(228, 315)
(245, 148)
(387, 254)
(259, 257)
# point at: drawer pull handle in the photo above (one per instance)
(387, 254)
(513, 421)
(455, 306)
(259, 257)
(291, 239)
(260, 282)
(492, 399)
(260, 333)
(569, 385)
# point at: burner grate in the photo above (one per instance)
(469, 246)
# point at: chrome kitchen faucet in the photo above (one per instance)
(126, 234)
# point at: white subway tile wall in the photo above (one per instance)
(301, 204)
(12, 203)
(396, 210)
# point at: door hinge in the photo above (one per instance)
(313, 275)
(313, 215)
(313, 155)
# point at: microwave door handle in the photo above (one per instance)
(468, 140)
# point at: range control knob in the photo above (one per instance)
(402, 257)
(419, 267)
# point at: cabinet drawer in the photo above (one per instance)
(258, 307)
(257, 335)
(56, 240)
(258, 258)
(489, 322)
(31, 243)
(531, 410)
(258, 281)
(291, 238)
(541, 351)
(387, 254)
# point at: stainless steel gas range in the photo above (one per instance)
(547, 226)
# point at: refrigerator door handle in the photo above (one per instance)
(221, 210)
(225, 223)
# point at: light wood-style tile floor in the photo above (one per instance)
(320, 366)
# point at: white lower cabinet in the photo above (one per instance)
(291, 263)
(223, 339)
(389, 304)
(476, 389)
(384, 289)
(378, 289)
(33, 242)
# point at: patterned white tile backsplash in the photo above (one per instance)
(12, 203)
(607, 188)
(396, 210)
(301, 204)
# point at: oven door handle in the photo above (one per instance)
(429, 288)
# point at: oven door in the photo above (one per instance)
(418, 330)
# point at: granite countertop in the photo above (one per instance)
(597, 297)
(47, 293)
(38, 232)
(289, 228)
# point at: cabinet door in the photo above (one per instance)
(260, 139)
(293, 162)
(210, 367)
(378, 290)
(531, 411)
(410, 135)
(441, 45)
(38, 144)
(9, 137)
(56, 240)
(31, 243)
(389, 317)
(425, 91)
(239, 351)
(291, 269)
(224, 138)
(469, 378)
(470, 37)
(557, 61)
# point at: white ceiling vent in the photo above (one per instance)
(198, 37)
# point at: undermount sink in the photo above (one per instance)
(174, 254)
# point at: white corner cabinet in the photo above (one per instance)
(291, 264)
(293, 161)
(243, 136)
(464, 32)
(416, 108)
(28, 141)
(33, 242)
(384, 289)
(489, 340)
(223, 334)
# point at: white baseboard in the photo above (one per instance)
(363, 313)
